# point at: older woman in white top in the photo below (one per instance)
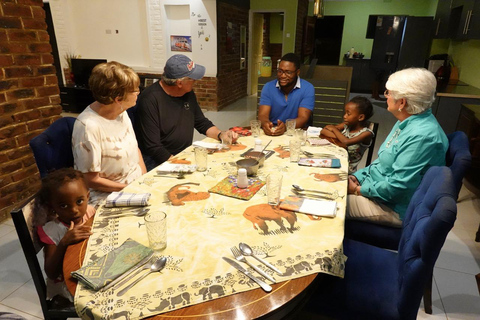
(104, 145)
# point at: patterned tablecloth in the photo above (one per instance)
(203, 226)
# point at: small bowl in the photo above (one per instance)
(257, 155)
(251, 165)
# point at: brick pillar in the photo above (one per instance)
(29, 96)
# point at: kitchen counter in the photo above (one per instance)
(459, 90)
(448, 103)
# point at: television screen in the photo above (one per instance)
(82, 68)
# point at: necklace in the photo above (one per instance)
(394, 137)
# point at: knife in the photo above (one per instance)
(237, 266)
(128, 272)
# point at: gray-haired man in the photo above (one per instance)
(168, 111)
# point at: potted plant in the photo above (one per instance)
(68, 56)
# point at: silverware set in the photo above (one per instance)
(246, 250)
(127, 212)
(150, 263)
(180, 175)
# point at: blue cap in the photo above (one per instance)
(180, 66)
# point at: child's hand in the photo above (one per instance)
(329, 127)
(76, 233)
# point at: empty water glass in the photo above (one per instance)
(291, 124)
(201, 158)
(274, 188)
(255, 127)
(295, 149)
(156, 223)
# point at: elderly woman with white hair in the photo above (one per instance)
(381, 192)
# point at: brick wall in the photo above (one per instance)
(302, 12)
(29, 96)
(231, 81)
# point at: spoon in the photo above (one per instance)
(156, 267)
(140, 213)
(179, 176)
(247, 251)
(298, 188)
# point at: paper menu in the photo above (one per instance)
(324, 208)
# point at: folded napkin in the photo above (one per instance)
(104, 270)
(317, 162)
(228, 187)
(208, 145)
(123, 199)
(318, 142)
(322, 208)
(313, 131)
(168, 167)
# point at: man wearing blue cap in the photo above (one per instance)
(168, 111)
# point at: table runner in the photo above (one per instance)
(203, 226)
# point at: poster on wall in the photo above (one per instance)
(181, 43)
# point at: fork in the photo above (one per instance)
(239, 256)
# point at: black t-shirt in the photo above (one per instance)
(164, 124)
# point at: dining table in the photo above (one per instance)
(207, 216)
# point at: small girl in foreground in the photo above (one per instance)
(353, 132)
(61, 209)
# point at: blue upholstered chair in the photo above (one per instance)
(458, 159)
(384, 284)
(52, 148)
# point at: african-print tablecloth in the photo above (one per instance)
(203, 226)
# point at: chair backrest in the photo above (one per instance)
(330, 96)
(374, 127)
(52, 148)
(430, 216)
(458, 157)
(22, 219)
(261, 82)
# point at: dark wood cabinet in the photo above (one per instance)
(442, 18)
(362, 76)
(75, 99)
(469, 122)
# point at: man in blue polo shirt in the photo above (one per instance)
(288, 97)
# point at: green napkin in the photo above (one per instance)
(102, 271)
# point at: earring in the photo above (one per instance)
(399, 110)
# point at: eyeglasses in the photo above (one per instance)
(387, 93)
(288, 73)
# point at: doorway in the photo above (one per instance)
(266, 39)
(328, 40)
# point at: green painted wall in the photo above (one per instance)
(466, 56)
(276, 30)
(289, 7)
(356, 18)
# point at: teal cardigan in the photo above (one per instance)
(414, 145)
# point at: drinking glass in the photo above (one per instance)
(274, 188)
(290, 124)
(201, 158)
(255, 126)
(156, 223)
(301, 135)
(295, 148)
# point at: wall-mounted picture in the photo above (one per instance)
(181, 43)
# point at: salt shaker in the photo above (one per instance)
(242, 180)
(258, 145)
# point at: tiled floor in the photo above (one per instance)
(455, 293)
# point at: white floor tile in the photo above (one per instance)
(459, 253)
(13, 267)
(459, 294)
(25, 298)
(438, 311)
(5, 229)
(8, 222)
(27, 316)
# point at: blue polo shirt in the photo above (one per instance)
(302, 95)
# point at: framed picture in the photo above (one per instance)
(181, 43)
